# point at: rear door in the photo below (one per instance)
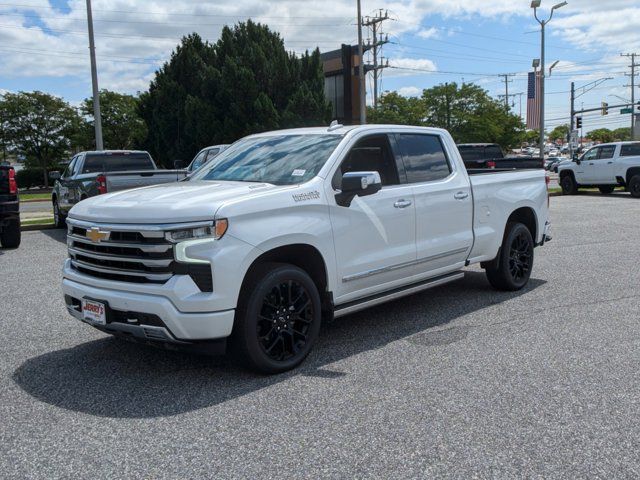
(444, 205)
(374, 237)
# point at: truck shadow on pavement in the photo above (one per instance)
(113, 378)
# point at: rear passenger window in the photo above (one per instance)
(630, 150)
(424, 157)
(607, 152)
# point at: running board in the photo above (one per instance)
(383, 297)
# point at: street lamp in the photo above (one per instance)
(553, 66)
(535, 4)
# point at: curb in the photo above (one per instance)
(34, 200)
(31, 228)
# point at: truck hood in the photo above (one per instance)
(168, 203)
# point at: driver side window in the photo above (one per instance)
(198, 161)
(370, 154)
(591, 154)
(68, 172)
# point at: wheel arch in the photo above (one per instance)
(527, 216)
(302, 255)
(631, 172)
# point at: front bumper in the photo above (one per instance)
(177, 327)
(546, 234)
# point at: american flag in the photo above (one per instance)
(533, 101)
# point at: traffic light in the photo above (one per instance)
(605, 108)
(578, 122)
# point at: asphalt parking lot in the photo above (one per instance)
(460, 381)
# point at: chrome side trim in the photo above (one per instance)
(148, 248)
(409, 290)
(149, 276)
(376, 271)
(144, 261)
(142, 228)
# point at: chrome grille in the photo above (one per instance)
(141, 256)
(131, 253)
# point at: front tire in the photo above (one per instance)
(512, 269)
(568, 185)
(10, 236)
(634, 186)
(606, 189)
(59, 219)
(278, 318)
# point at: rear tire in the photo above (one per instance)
(278, 319)
(568, 184)
(634, 186)
(606, 189)
(59, 220)
(511, 270)
(10, 236)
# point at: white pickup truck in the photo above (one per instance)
(604, 166)
(290, 228)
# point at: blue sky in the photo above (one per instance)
(43, 44)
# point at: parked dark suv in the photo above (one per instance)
(9, 208)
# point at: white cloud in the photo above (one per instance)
(411, 66)
(429, 33)
(410, 91)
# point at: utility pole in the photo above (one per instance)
(572, 118)
(361, 82)
(633, 88)
(375, 45)
(506, 88)
(97, 119)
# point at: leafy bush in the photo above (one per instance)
(32, 177)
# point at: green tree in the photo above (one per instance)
(471, 115)
(466, 111)
(601, 135)
(559, 133)
(122, 126)
(216, 93)
(39, 126)
(393, 108)
(532, 136)
(622, 134)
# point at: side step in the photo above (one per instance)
(383, 297)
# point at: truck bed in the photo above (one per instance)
(117, 181)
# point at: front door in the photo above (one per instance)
(374, 237)
(600, 171)
(583, 170)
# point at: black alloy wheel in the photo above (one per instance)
(511, 269)
(634, 186)
(285, 320)
(278, 318)
(520, 257)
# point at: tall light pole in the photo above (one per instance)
(97, 119)
(535, 4)
(361, 81)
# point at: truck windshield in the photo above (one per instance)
(277, 159)
(117, 162)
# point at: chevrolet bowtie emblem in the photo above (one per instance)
(96, 235)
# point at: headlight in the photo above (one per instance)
(215, 231)
(189, 239)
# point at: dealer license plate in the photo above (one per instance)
(94, 312)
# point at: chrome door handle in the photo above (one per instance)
(461, 195)
(402, 203)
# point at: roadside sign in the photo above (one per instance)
(626, 110)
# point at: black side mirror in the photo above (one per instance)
(55, 175)
(178, 164)
(358, 183)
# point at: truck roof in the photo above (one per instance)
(112, 152)
(344, 129)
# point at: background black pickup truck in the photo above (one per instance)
(490, 155)
(9, 208)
